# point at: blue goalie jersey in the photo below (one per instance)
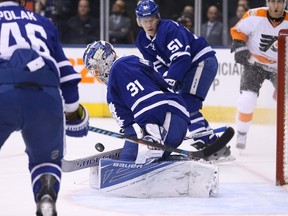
(172, 41)
(137, 93)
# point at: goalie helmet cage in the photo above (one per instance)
(282, 110)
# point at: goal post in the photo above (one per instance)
(282, 110)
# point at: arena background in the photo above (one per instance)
(220, 104)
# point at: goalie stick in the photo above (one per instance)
(82, 163)
(216, 146)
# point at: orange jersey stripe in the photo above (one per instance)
(244, 117)
(240, 36)
(264, 60)
(237, 35)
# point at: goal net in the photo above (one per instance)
(282, 110)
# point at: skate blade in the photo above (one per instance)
(47, 209)
(225, 159)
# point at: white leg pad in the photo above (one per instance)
(163, 179)
(204, 179)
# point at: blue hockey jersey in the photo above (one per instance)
(23, 29)
(137, 93)
(174, 49)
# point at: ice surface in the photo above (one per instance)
(247, 185)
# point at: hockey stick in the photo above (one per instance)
(216, 146)
(86, 162)
(82, 163)
(206, 133)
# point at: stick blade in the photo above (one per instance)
(82, 163)
(216, 146)
(220, 142)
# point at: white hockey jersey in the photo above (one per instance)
(261, 36)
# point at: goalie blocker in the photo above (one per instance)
(173, 178)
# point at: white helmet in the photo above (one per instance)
(98, 59)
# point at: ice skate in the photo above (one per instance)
(199, 144)
(46, 197)
(241, 140)
(222, 155)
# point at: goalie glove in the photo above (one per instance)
(148, 154)
(77, 123)
(242, 53)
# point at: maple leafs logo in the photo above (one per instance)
(150, 45)
(113, 111)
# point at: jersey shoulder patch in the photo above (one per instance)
(258, 12)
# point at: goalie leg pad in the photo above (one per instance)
(204, 179)
(162, 179)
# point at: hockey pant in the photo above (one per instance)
(38, 113)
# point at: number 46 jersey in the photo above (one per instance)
(23, 29)
(137, 93)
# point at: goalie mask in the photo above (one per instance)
(98, 59)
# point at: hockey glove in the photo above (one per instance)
(242, 53)
(77, 123)
(147, 154)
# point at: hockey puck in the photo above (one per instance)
(99, 147)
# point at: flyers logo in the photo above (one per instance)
(78, 65)
(268, 42)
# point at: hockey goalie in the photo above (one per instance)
(144, 106)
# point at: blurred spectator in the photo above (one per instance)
(120, 25)
(232, 21)
(187, 20)
(56, 10)
(243, 3)
(239, 14)
(188, 9)
(39, 7)
(82, 28)
(187, 17)
(212, 30)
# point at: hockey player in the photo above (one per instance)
(139, 101)
(35, 76)
(255, 46)
(185, 60)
